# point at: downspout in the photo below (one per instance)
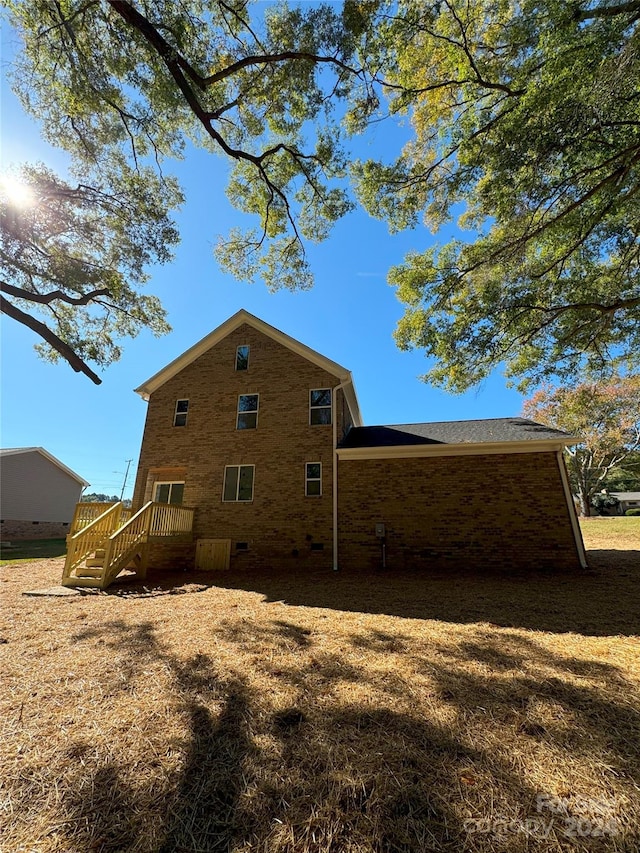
(335, 473)
(577, 534)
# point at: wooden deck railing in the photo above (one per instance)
(153, 519)
(121, 535)
(87, 512)
(92, 537)
(170, 519)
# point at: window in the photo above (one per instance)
(168, 493)
(247, 411)
(320, 406)
(180, 414)
(238, 483)
(313, 479)
(242, 357)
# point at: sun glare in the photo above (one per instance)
(15, 192)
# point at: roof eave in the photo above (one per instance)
(17, 451)
(480, 448)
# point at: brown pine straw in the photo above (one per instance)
(322, 712)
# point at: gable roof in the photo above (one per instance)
(238, 319)
(16, 451)
(493, 435)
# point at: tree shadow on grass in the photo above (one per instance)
(202, 813)
(602, 601)
(343, 775)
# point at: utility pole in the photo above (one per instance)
(126, 475)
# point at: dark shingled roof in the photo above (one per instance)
(451, 432)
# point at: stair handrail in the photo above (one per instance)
(122, 543)
(86, 512)
(91, 537)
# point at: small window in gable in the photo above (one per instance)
(168, 493)
(247, 411)
(242, 357)
(238, 483)
(320, 406)
(180, 414)
(313, 479)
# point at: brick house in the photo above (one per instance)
(263, 437)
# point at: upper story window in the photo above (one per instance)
(168, 493)
(238, 483)
(247, 411)
(242, 357)
(320, 406)
(313, 479)
(180, 414)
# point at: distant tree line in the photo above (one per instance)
(99, 497)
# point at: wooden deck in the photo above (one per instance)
(105, 539)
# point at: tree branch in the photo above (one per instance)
(556, 310)
(46, 298)
(606, 11)
(50, 337)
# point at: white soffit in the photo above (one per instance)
(412, 451)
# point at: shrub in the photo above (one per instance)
(632, 512)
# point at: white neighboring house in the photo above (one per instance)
(38, 494)
(628, 500)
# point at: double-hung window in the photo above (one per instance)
(242, 357)
(313, 479)
(180, 414)
(238, 483)
(320, 406)
(247, 417)
(168, 493)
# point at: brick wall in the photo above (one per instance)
(498, 512)
(280, 520)
(23, 529)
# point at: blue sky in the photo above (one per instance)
(349, 316)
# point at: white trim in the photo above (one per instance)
(230, 325)
(249, 412)
(308, 480)
(253, 481)
(16, 451)
(157, 483)
(412, 451)
(571, 508)
(331, 406)
(334, 464)
(176, 412)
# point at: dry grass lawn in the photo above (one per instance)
(395, 714)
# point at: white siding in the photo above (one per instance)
(34, 489)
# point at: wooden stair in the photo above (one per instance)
(109, 544)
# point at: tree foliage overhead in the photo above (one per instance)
(525, 117)
(605, 416)
(76, 255)
(130, 84)
(143, 79)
